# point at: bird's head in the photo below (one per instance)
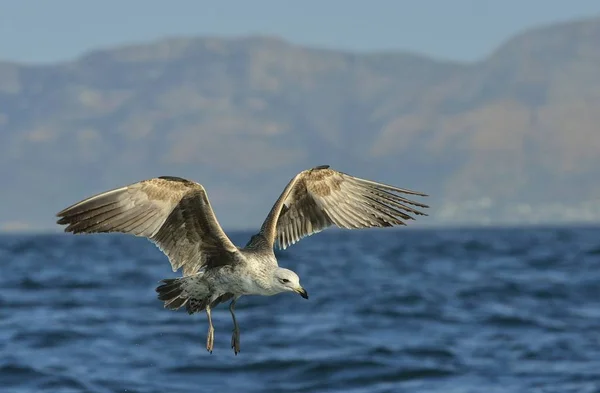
(285, 280)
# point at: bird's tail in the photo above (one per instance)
(179, 292)
(189, 291)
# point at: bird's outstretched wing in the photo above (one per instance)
(172, 212)
(321, 197)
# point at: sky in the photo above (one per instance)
(36, 31)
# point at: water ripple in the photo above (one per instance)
(498, 310)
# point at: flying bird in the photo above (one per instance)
(176, 215)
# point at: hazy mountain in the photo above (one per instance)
(512, 138)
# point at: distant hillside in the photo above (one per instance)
(513, 138)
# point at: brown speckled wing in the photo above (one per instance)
(321, 197)
(172, 212)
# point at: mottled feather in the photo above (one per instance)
(321, 197)
(172, 212)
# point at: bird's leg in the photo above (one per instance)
(211, 332)
(235, 337)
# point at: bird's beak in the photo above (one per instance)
(302, 292)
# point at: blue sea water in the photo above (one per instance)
(494, 310)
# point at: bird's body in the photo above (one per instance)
(176, 215)
(250, 274)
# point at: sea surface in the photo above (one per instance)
(408, 310)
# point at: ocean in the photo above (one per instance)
(407, 310)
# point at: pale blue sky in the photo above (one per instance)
(55, 30)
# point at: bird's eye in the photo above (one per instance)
(284, 280)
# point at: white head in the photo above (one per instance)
(285, 280)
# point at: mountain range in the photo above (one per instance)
(510, 139)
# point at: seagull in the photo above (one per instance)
(176, 215)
